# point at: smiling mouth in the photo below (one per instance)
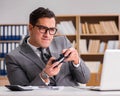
(46, 39)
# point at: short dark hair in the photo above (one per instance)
(40, 13)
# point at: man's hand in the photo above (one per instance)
(52, 69)
(73, 55)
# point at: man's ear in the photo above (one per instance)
(30, 27)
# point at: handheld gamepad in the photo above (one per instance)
(61, 58)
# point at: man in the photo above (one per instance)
(26, 65)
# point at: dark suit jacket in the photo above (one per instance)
(24, 66)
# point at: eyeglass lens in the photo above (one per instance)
(44, 29)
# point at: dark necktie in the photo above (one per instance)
(44, 55)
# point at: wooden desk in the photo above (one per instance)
(65, 91)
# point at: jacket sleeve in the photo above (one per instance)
(17, 75)
(81, 73)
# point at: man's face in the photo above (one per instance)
(38, 37)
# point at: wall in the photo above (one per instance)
(17, 11)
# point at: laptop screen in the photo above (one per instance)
(110, 77)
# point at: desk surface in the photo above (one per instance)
(65, 91)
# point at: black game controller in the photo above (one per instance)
(61, 58)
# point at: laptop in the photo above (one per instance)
(110, 76)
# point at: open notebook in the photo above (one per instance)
(110, 77)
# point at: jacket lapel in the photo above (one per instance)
(29, 53)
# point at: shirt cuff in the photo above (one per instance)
(76, 65)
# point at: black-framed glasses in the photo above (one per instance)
(44, 29)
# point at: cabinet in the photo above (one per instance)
(88, 29)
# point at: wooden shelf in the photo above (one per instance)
(92, 54)
(98, 35)
(8, 41)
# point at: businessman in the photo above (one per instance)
(34, 61)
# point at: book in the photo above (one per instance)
(92, 29)
(102, 47)
(71, 27)
(83, 46)
(113, 44)
(114, 27)
(87, 28)
(93, 46)
(83, 29)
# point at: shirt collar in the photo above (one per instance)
(32, 46)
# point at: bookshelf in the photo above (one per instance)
(98, 28)
(10, 37)
(72, 37)
(98, 34)
(86, 28)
